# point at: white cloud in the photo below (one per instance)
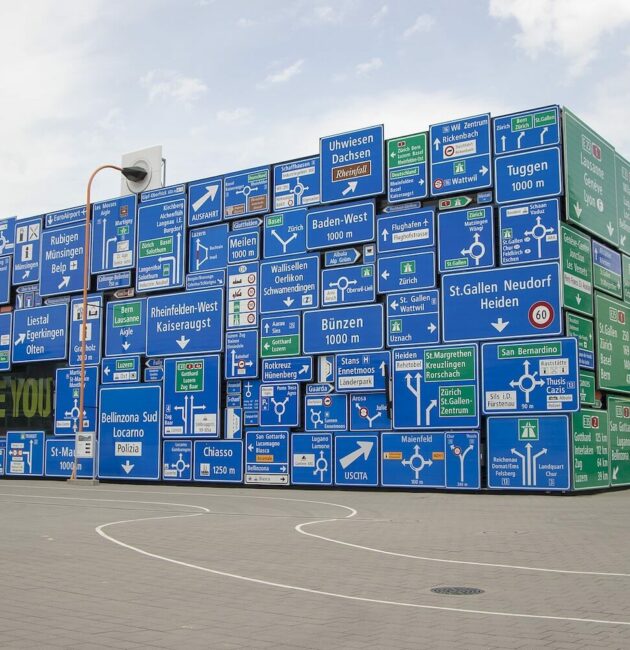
(238, 115)
(171, 85)
(282, 76)
(368, 67)
(378, 17)
(326, 14)
(423, 23)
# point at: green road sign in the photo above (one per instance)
(159, 246)
(410, 150)
(591, 449)
(589, 167)
(449, 364)
(619, 427)
(582, 329)
(612, 320)
(587, 388)
(453, 202)
(625, 270)
(623, 202)
(124, 364)
(457, 401)
(280, 346)
(128, 314)
(606, 279)
(576, 258)
(189, 375)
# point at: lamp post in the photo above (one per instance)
(132, 174)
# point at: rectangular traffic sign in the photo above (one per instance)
(607, 270)
(6, 327)
(311, 459)
(413, 460)
(576, 259)
(242, 295)
(622, 169)
(67, 415)
(267, 457)
(280, 336)
(407, 168)
(625, 263)
(5, 279)
(591, 449)
(27, 250)
(296, 183)
(205, 201)
(413, 318)
(93, 331)
(7, 235)
(613, 344)
(160, 194)
(113, 242)
(177, 460)
(466, 239)
(25, 453)
(370, 412)
(411, 270)
(233, 418)
(279, 405)
(582, 329)
(207, 248)
(289, 284)
(112, 281)
(219, 461)
(356, 459)
(348, 285)
(3, 457)
(531, 129)
(341, 225)
(406, 230)
(246, 193)
(126, 327)
(60, 459)
(368, 371)
(619, 427)
(61, 261)
(285, 233)
(289, 369)
(243, 246)
(326, 412)
(40, 334)
(124, 370)
(241, 354)
(205, 280)
(341, 257)
(65, 217)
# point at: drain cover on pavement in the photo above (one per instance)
(457, 591)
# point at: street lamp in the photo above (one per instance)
(132, 174)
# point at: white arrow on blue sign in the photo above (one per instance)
(370, 412)
(40, 333)
(126, 327)
(290, 284)
(279, 405)
(123, 370)
(246, 193)
(267, 457)
(356, 459)
(287, 369)
(113, 243)
(412, 270)
(205, 201)
(348, 285)
(406, 230)
(93, 331)
(285, 233)
(62, 260)
(413, 318)
(241, 354)
(207, 248)
(326, 412)
(311, 459)
(466, 239)
(531, 129)
(368, 371)
(67, 400)
(27, 251)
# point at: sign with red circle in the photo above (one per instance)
(541, 314)
(449, 150)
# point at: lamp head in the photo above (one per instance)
(134, 174)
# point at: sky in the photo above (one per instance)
(223, 86)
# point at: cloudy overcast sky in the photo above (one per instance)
(224, 85)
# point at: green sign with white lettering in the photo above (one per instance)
(576, 258)
(189, 375)
(612, 321)
(410, 150)
(623, 202)
(280, 346)
(582, 329)
(591, 449)
(619, 427)
(587, 388)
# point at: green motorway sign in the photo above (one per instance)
(587, 388)
(619, 427)
(591, 449)
(576, 259)
(582, 329)
(612, 325)
(623, 202)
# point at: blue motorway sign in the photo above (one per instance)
(177, 460)
(356, 460)
(510, 302)
(60, 459)
(129, 432)
(191, 397)
(205, 201)
(207, 248)
(126, 327)
(466, 239)
(112, 281)
(120, 370)
(352, 164)
(205, 280)
(243, 246)
(343, 329)
(40, 334)
(62, 260)
(530, 376)
(326, 412)
(25, 453)
(6, 323)
(65, 217)
(290, 284)
(460, 155)
(436, 387)
(349, 223)
(341, 257)
(279, 405)
(5, 279)
(267, 457)
(368, 371)
(242, 295)
(185, 323)
(531, 129)
(287, 369)
(529, 175)
(7, 235)
(370, 412)
(219, 461)
(93, 331)
(348, 285)
(241, 354)
(246, 193)
(296, 183)
(27, 250)
(529, 232)
(406, 230)
(113, 243)
(161, 245)
(67, 400)
(311, 459)
(406, 271)
(285, 233)
(526, 453)
(413, 318)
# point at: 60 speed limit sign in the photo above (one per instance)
(541, 314)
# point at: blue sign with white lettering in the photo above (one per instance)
(207, 248)
(466, 239)
(290, 284)
(279, 335)
(177, 460)
(113, 243)
(243, 246)
(285, 233)
(406, 271)
(7, 235)
(242, 295)
(112, 281)
(219, 461)
(296, 183)
(529, 175)
(530, 376)
(40, 334)
(413, 460)
(460, 155)
(25, 453)
(125, 370)
(5, 279)
(205, 201)
(129, 432)
(246, 193)
(369, 371)
(413, 318)
(341, 257)
(370, 412)
(27, 250)
(185, 323)
(27, 296)
(462, 460)
(348, 285)
(529, 453)
(279, 405)
(251, 401)
(93, 331)
(287, 369)
(65, 217)
(311, 459)
(126, 327)
(511, 302)
(349, 223)
(326, 413)
(62, 260)
(60, 460)
(319, 389)
(607, 264)
(531, 129)
(267, 457)
(205, 280)
(241, 354)
(343, 329)
(406, 230)
(67, 398)
(6, 323)
(3, 457)
(529, 232)
(169, 192)
(356, 459)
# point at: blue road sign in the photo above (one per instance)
(65, 217)
(364, 372)
(241, 225)
(67, 398)
(207, 248)
(219, 461)
(205, 201)
(290, 284)
(124, 370)
(129, 432)
(113, 243)
(62, 260)
(3, 457)
(279, 405)
(413, 460)
(161, 245)
(246, 193)
(436, 387)
(466, 239)
(462, 460)
(27, 250)
(5, 279)
(205, 280)
(40, 334)
(348, 285)
(341, 257)
(242, 295)
(162, 193)
(311, 459)
(530, 376)
(126, 327)
(352, 164)
(233, 418)
(93, 330)
(285, 233)
(529, 232)
(280, 336)
(531, 129)
(413, 318)
(319, 389)
(177, 460)
(25, 453)
(343, 329)
(60, 459)
(192, 401)
(356, 460)
(460, 155)
(326, 412)
(296, 183)
(267, 457)
(112, 281)
(287, 369)
(505, 303)
(349, 223)
(607, 269)
(326, 368)
(241, 354)
(251, 396)
(529, 453)
(185, 323)
(243, 246)
(406, 271)
(529, 175)
(369, 412)
(7, 235)
(6, 323)
(406, 230)
(27, 296)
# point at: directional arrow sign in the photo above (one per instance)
(67, 397)
(466, 239)
(414, 460)
(126, 327)
(369, 371)
(177, 460)
(577, 270)
(407, 168)
(289, 285)
(267, 457)
(205, 201)
(207, 248)
(326, 413)
(412, 270)
(619, 425)
(280, 336)
(246, 193)
(406, 230)
(285, 233)
(356, 460)
(25, 453)
(6, 322)
(607, 270)
(296, 184)
(348, 285)
(40, 333)
(369, 412)
(113, 242)
(291, 369)
(241, 354)
(93, 331)
(413, 318)
(311, 459)
(27, 251)
(62, 259)
(125, 370)
(531, 129)
(622, 168)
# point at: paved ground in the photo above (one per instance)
(114, 566)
